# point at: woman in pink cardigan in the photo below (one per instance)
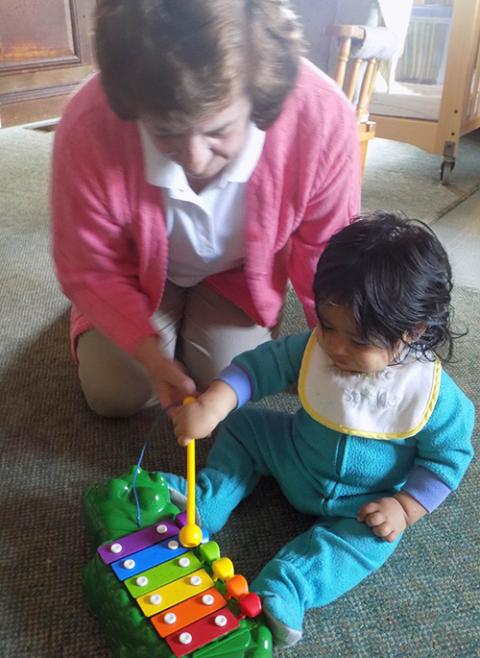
(206, 165)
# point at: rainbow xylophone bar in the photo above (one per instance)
(156, 598)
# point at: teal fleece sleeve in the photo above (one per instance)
(273, 366)
(445, 443)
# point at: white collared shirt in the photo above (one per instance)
(206, 230)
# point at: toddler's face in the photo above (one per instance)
(209, 145)
(338, 336)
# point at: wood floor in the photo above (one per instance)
(459, 231)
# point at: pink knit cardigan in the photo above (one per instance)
(109, 239)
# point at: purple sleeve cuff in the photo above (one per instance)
(239, 380)
(426, 488)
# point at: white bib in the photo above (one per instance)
(392, 404)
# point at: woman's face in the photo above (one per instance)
(209, 145)
(338, 335)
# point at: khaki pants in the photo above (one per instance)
(197, 326)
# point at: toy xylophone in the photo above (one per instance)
(157, 598)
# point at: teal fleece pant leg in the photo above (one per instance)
(317, 567)
(237, 460)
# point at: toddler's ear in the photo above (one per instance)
(412, 336)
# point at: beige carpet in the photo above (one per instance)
(424, 603)
(398, 176)
(403, 177)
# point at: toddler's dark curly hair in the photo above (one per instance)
(395, 276)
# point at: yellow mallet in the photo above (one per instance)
(191, 534)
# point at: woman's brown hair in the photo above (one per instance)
(176, 60)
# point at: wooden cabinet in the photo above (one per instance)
(46, 50)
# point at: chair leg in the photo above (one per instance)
(363, 154)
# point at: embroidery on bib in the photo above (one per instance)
(394, 403)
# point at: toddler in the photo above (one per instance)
(383, 434)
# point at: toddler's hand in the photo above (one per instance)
(194, 421)
(386, 517)
(198, 419)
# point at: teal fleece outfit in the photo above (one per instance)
(326, 474)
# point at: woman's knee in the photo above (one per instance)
(110, 404)
(113, 383)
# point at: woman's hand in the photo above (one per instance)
(389, 517)
(198, 419)
(171, 383)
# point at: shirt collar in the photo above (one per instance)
(162, 172)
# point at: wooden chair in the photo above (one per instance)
(356, 77)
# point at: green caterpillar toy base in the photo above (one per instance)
(110, 514)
